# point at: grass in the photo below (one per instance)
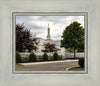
(76, 69)
(17, 64)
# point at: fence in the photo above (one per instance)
(71, 55)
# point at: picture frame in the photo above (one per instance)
(40, 79)
(51, 14)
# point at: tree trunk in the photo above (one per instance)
(74, 53)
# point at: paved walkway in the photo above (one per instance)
(48, 66)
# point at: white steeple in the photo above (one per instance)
(48, 31)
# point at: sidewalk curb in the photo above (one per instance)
(68, 68)
(37, 63)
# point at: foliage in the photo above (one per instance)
(45, 57)
(60, 57)
(50, 47)
(72, 58)
(40, 58)
(51, 57)
(18, 57)
(81, 47)
(32, 57)
(26, 59)
(81, 62)
(76, 69)
(55, 56)
(24, 40)
(73, 36)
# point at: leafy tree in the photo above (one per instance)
(32, 57)
(50, 47)
(24, 39)
(81, 47)
(45, 57)
(18, 57)
(73, 36)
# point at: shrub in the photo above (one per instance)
(18, 57)
(73, 58)
(45, 57)
(26, 59)
(55, 56)
(40, 58)
(81, 62)
(51, 57)
(32, 57)
(60, 57)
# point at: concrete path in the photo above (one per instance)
(61, 65)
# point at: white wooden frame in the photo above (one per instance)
(8, 78)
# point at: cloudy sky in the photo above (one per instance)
(38, 24)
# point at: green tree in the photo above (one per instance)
(45, 57)
(73, 36)
(18, 57)
(81, 47)
(55, 56)
(32, 57)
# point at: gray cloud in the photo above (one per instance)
(39, 24)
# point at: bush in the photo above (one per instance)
(32, 57)
(81, 62)
(18, 57)
(60, 57)
(26, 59)
(55, 56)
(73, 58)
(40, 58)
(51, 57)
(45, 57)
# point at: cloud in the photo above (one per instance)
(39, 24)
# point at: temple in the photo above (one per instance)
(62, 51)
(48, 31)
(42, 41)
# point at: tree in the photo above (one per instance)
(24, 39)
(45, 57)
(49, 48)
(55, 56)
(81, 47)
(32, 57)
(18, 57)
(73, 36)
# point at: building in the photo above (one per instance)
(61, 51)
(42, 41)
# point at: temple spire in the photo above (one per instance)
(48, 31)
(48, 25)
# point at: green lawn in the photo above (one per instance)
(17, 64)
(76, 69)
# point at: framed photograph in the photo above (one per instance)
(38, 48)
(49, 43)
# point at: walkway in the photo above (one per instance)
(48, 66)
